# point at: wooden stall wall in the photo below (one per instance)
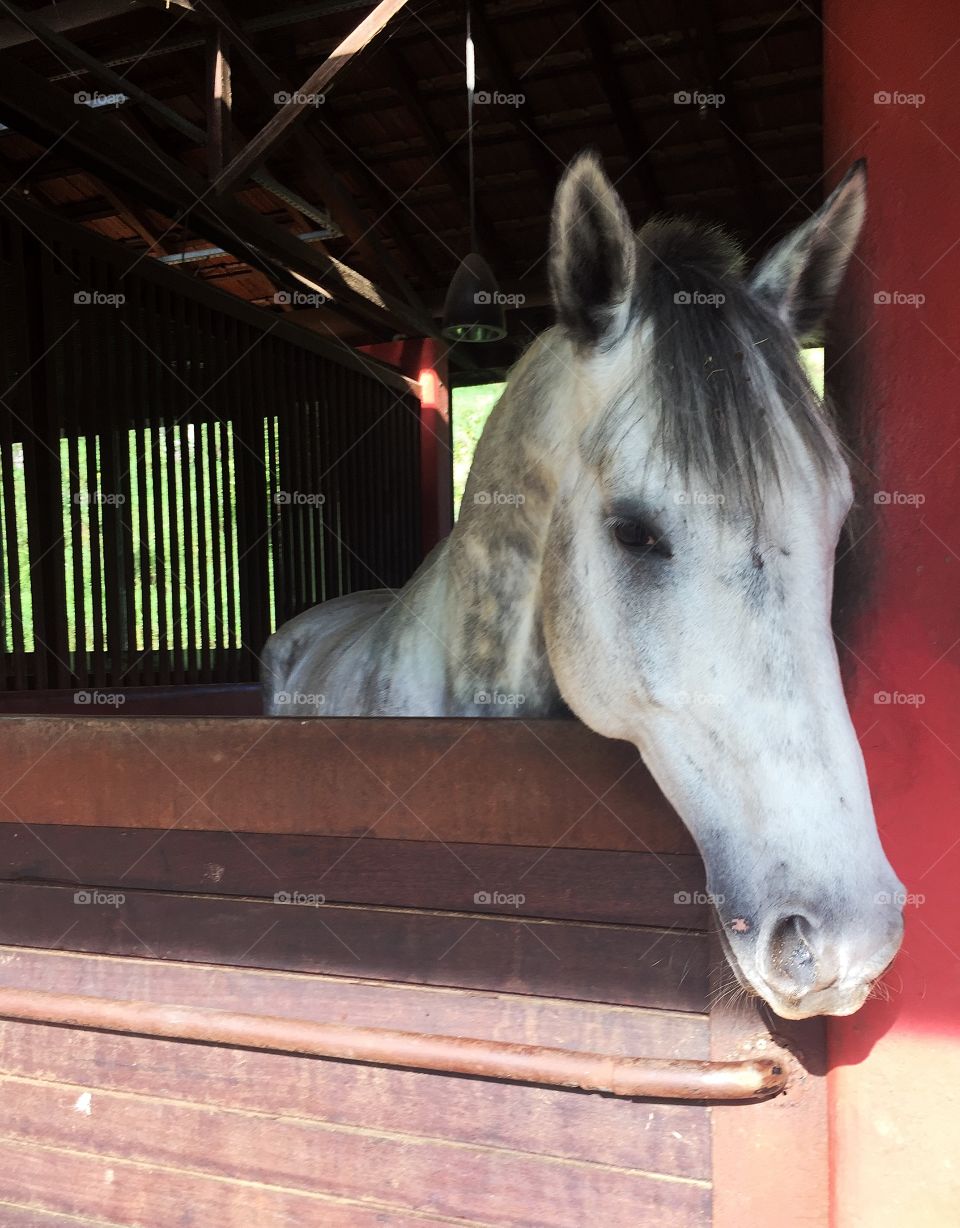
(179, 472)
(510, 880)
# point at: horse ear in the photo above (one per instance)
(800, 276)
(593, 254)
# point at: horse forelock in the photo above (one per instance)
(719, 372)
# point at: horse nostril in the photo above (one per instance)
(795, 957)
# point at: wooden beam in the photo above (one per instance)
(314, 164)
(114, 82)
(635, 142)
(67, 15)
(131, 216)
(292, 111)
(219, 102)
(108, 148)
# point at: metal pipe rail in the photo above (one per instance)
(656, 1078)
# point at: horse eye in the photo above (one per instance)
(640, 539)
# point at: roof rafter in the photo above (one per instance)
(299, 102)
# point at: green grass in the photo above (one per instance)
(471, 409)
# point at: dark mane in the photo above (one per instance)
(723, 364)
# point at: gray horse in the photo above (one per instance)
(647, 539)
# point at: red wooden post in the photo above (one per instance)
(425, 360)
(891, 73)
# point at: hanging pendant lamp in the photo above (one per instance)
(473, 309)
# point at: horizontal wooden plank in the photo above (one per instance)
(664, 968)
(125, 1193)
(543, 783)
(621, 1031)
(270, 1152)
(570, 884)
(13, 1215)
(667, 1138)
(209, 699)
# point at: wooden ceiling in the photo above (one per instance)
(707, 107)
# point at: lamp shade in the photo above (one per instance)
(473, 310)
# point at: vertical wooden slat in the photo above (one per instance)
(311, 452)
(112, 464)
(125, 360)
(351, 530)
(287, 482)
(76, 384)
(331, 486)
(9, 433)
(217, 498)
(228, 402)
(146, 377)
(91, 407)
(167, 354)
(248, 467)
(42, 474)
(364, 465)
(175, 444)
(190, 468)
(273, 485)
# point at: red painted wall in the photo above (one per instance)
(895, 1078)
(425, 360)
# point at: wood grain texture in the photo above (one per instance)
(568, 884)
(621, 1031)
(119, 1192)
(184, 699)
(267, 1149)
(666, 1138)
(18, 1215)
(545, 783)
(634, 966)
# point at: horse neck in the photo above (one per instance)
(494, 555)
